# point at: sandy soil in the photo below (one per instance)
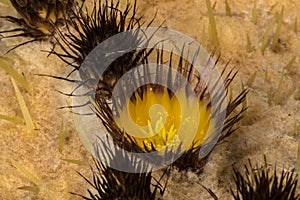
(267, 128)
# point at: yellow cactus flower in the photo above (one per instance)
(158, 119)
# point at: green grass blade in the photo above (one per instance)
(270, 96)
(295, 130)
(23, 107)
(213, 27)
(267, 78)
(61, 140)
(289, 66)
(244, 103)
(265, 38)
(12, 119)
(50, 194)
(279, 89)
(274, 45)
(33, 189)
(249, 46)
(29, 175)
(297, 94)
(298, 159)
(228, 9)
(13, 73)
(272, 8)
(77, 162)
(251, 79)
(38, 185)
(63, 135)
(296, 25)
(254, 12)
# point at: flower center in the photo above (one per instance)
(158, 119)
